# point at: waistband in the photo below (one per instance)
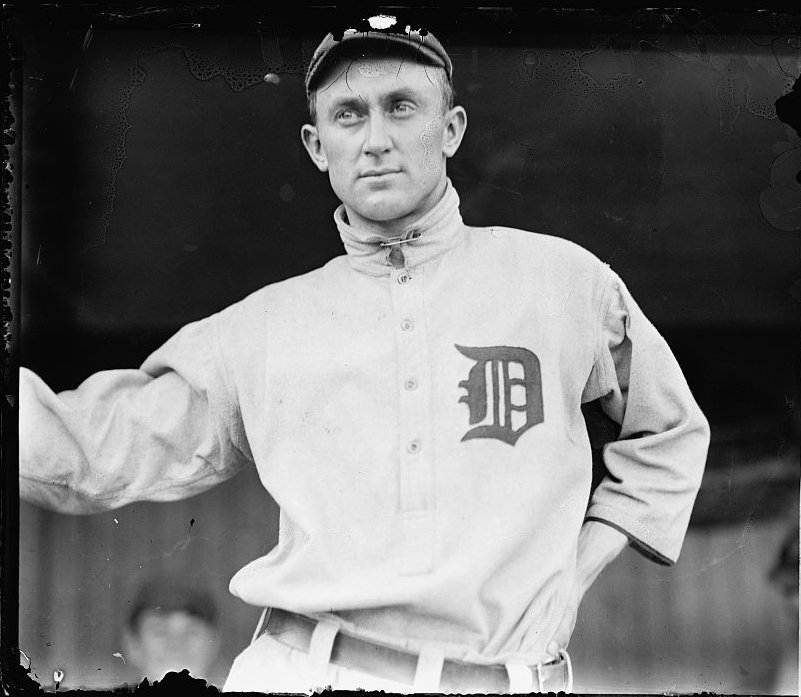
(429, 671)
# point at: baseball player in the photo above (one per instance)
(413, 407)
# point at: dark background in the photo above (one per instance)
(163, 178)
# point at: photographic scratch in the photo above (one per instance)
(560, 312)
(371, 70)
(137, 13)
(425, 139)
(87, 39)
(778, 202)
(237, 79)
(182, 26)
(278, 47)
(382, 21)
(728, 109)
(136, 76)
(72, 82)
(615, 218)
(731, 472)
(181, 545)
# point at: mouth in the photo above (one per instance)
(378, 173)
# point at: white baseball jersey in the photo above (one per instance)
(419, 426)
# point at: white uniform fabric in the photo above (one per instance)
(270, 665)
(275, 667)
(419, 427)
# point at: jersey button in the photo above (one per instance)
(404, 278)
(407, 325)
(414, 447)
(410, 384)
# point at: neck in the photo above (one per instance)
(394, 227)
(427, 234)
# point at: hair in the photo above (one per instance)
(437, 75)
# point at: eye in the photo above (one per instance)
(402, 108)
(346, 116)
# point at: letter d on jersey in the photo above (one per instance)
(489, 383)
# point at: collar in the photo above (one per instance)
(427, 238)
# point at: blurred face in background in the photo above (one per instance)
(162, 642)
(383, 133)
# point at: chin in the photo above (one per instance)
(384, 206)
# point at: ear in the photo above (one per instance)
(311, 141)
(455, 126)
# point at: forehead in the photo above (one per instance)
(373, 76)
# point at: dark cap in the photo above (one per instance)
(425, 48)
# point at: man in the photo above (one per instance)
(413, 407)
(171, 627)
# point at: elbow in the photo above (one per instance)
(690, 427)
(699, 427)
(697, 435)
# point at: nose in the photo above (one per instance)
(377, 139)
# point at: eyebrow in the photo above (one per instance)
(346, 103)
(402, 93)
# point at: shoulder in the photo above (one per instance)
(288, 292)
(245, 326)
(241, 328)
(539, 249)
(546, 267)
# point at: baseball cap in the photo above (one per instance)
(425, 48)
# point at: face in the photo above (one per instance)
(383, 137)
(172, 641)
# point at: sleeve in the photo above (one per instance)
(168, 430)
(654, 468)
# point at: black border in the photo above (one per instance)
(494, 22)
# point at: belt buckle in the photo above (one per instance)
(562, 659)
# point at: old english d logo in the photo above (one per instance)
(489, 383)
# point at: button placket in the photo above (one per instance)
(415, 455)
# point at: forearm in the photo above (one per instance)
(158, 433)
(598, 545)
